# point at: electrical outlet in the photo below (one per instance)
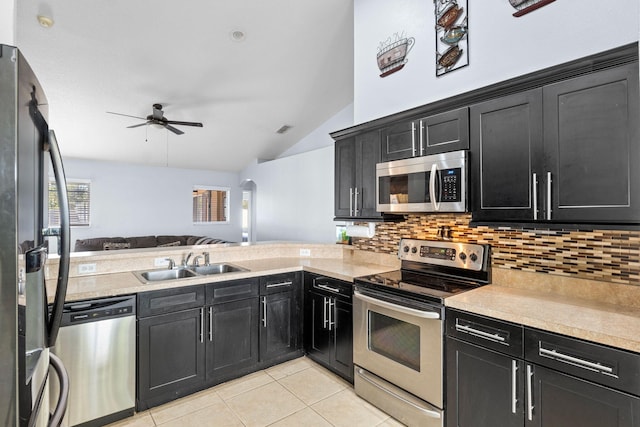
(305, 252)
(87, 268)
(160, 262)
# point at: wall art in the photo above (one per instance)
(452, 35)
(525, 6)
(392, 53)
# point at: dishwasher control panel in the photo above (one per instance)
(99, 309)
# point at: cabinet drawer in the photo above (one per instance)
(170, 300)
(330, 286)
(497, 335)
(615, 368)
(278, 283)
(234, 290)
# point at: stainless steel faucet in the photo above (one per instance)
(185, 261)
(172, 263)
(206, 258)
(196, 262)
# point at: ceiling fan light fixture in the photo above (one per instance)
(45, 21)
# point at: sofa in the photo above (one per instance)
(112, 243)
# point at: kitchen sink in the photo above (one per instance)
(217, 269)
(186, 272)
(165, 274)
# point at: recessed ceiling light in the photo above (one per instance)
(237, 35)
(45, 21)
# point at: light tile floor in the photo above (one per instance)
(293, 394)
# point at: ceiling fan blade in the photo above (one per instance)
(137, 126)
(174, 122)
(174, 130)
(126, 115)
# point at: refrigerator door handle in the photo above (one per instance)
(65, 234)
(63, 398)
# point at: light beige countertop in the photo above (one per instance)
(123, 283)
(590, 311)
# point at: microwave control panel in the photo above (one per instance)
(450, 183)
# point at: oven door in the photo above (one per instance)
(402, 345)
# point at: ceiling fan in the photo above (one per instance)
(158, 118)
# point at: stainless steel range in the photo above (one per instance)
(398, 326)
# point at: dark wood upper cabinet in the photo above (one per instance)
(437, 133)
(565, 153)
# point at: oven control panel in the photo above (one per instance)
(451, 254)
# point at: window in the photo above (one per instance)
(210, 204)
(79, 194)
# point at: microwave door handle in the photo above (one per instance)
(65, 234)
(435, 202)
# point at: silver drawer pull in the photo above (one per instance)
(328, 288)
(593, 366)
(277, 285)
(479, 333)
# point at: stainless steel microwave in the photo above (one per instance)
(436, 183)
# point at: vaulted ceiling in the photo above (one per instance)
(244, 68)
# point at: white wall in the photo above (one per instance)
(295, 193)
(135, 200)
(7, 22)
(500, 46)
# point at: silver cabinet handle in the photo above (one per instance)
(549, 196)
(264, 311)
(324, 313)
(481, 334)
(399, 308)
(277, 285)
(421, 138)
(592, 366)
(427, 412)
(413, 138)
(332, 305)
(535, 195)
(202, 325)
(350, 201)
(327, 288)
(211, 324)
(355, 202)
(529, 393)
(514, 377)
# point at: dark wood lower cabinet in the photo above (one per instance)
(550, 381)
(277, 330)
(171, 360)
(329, 323)
(561, 400)
(232, 338)
(480, 389)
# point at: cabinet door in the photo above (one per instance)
(170, 356)
(480, 387)
(399, 141)
(343, 339)
(443, 132)
(318, 341)
(278, 325)
(345, 177)
(592, 147)
(367, 156)
(560, 400)
(506, 152)
(232, 338)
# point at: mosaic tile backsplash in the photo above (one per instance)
(606, 255)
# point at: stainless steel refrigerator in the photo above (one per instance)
(27, 327)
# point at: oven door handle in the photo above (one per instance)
(396, 307)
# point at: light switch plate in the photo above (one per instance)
(87, 268)
(305, 252)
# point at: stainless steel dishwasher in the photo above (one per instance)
(97, 344)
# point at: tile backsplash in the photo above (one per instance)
(606, 255)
